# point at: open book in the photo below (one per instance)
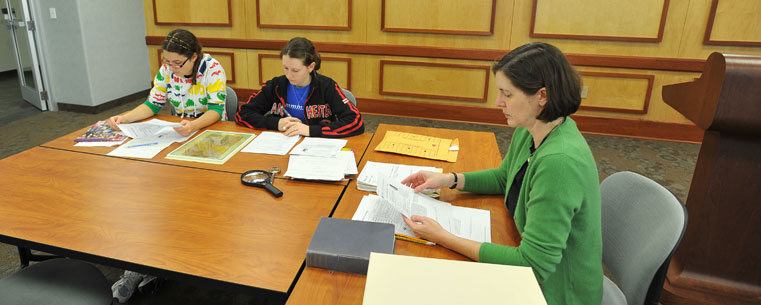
(395, 199)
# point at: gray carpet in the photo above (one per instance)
(671, 164)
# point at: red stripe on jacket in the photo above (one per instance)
(353, 125)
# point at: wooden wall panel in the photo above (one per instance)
(734, 23)
(641, 20)
(193, 12)
(617, 92)
(337, 68)
(304, 14)
(432, 17)
(434, 80)
(232, 22)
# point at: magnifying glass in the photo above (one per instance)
(260, 178)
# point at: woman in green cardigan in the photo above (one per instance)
(549, 179)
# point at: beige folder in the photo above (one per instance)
(399, 279)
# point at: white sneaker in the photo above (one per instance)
(124, 288)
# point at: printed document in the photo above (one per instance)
(395, 199)
(368, 178)
(272, 143)
(155, 129)
(319, 147)
(322, 168)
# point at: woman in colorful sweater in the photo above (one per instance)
(302, 102)
(191, 81)
(548, 176)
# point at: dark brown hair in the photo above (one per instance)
(183, 42)
(537, 65)
(302, 48)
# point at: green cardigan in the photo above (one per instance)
(557, 215)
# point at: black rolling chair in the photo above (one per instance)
(57, 281)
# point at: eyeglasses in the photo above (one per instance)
(175, 64)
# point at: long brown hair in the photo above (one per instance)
(183, 42)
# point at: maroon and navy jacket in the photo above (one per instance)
(328, 111)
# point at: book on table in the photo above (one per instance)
(101, 132)
(345, 245)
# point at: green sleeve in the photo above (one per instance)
(155, 108)
(488, 181)
(216, 107)
(555, 196)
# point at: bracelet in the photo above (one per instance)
(454, 185)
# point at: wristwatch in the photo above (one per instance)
(454, 185)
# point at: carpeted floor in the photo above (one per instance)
(671, 164)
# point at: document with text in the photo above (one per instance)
(395, 199)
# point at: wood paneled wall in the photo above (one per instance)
(432, 58)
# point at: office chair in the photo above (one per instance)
(231, 104)
(350, 96)
(642, 223)
(59, 281)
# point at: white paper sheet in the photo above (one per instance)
(155, 129)
(368, 178)
(473, 224)
(99, 144)
(273, 143)
(322, 168)
(146, 151)
(320, 147)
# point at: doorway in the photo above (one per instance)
(19, 27)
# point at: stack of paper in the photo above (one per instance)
(321, 159)
(395, 200)
(368, 179)
(150, 138)
(400, 279)
(272, 143)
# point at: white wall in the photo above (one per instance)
(94, 50)
(115, 49)
(7, 58)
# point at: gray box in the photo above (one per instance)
(345, 245)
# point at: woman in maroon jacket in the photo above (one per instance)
(302, 102)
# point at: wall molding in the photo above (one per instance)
(646, 103)
(709, 28)
(230, 79)
(328, 58)
(589, 60)
(437, 31)
(658, 38)
(632, 128)
(228, 24)
(482, 99)
(259, 24)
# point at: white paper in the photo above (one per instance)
(368, 178)
(319, 147)
(155, 130)
(376, 209)
(473, 224)
(146, 152)
(273, 143)
(322, 168)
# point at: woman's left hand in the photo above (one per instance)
(296, 128)
(426, 228)
(186, 129)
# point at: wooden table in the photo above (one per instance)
(478, 150)
(239, 163)
(167, 220)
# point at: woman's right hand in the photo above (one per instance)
(117, 119)
(281, 124)
(423, 180)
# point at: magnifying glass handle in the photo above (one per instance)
(272, 189)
